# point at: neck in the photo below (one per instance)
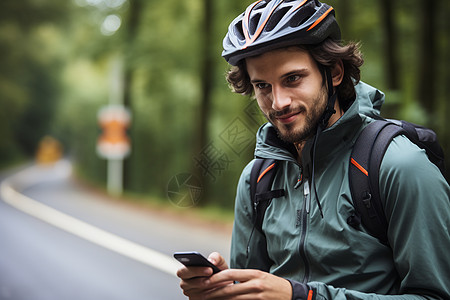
(333, 119)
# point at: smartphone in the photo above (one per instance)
(193, 258)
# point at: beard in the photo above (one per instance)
(295, 133)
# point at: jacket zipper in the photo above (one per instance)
(305, 212)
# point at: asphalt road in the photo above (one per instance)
(59, 241)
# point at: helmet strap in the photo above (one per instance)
(332, 96)
(323, 122)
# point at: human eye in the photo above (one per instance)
(261, 85)
(292, 78)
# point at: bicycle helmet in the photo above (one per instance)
(269, 24)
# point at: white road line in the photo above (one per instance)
(88, 232)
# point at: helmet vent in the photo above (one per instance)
(271, 24)
(253, 26)
(238, 31)
(302, 16)
(276, 17)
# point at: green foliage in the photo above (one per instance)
(55, 68)
(29, 86)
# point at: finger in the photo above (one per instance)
(197, 287)
(232, 275)
(218, 260)
(234, 291)
(194, 284)
(254, 284)
(192, 272)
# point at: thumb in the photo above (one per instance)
(218, 260)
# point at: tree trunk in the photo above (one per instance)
(390, 46)
(427, 69)
(444, 104)
(206, 76)
(133, 21)
(207, 71)
(343, 15)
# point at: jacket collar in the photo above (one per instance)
(341, 134)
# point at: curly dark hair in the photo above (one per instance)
(326, 54)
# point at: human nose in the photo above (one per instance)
(280, 99)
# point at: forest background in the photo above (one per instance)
(190, 136)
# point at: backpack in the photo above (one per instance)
(365, 159)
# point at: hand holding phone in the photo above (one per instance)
(195, 259)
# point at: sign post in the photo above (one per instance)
(113, 143)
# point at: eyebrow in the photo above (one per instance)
(302, 71)
(256, 81)
(290, 73)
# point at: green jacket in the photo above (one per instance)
(327, 255)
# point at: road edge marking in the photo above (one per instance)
(88, 232)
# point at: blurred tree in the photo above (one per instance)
(174, 79)
(132, 26)
(207, 68)
(29, 14)
(443, 78)
(36, 118)
(28, 77)
(343, 15)
(390, 44)
(132, 23)
(427, 63)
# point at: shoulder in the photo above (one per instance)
(244, 179)
(407, 173)
(407, 159)
(243, 200)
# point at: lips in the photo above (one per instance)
(288, 118)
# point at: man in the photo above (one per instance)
(289, 54)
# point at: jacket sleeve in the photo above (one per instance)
(247, 243)
(417, 207)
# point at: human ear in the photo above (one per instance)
(337, 73)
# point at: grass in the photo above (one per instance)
(208, 214)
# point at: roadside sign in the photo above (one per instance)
(113, 143)
(49, 150)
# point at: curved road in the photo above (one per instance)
(61, 241)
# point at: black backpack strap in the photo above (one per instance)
(261, 193)
(365, 162)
